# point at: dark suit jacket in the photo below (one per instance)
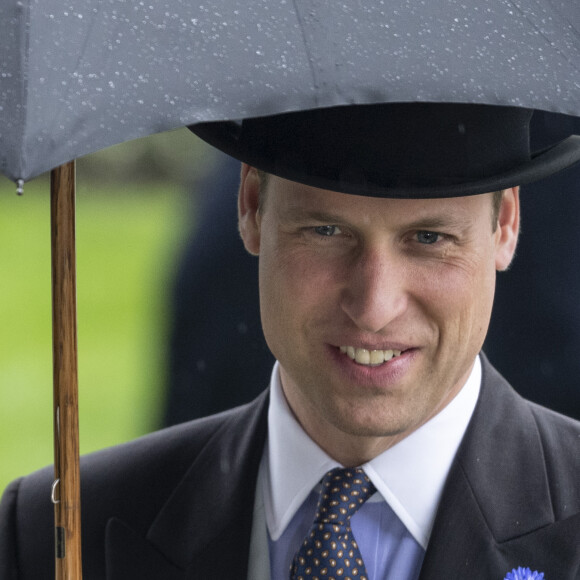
(178, 504)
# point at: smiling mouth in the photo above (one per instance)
(371, 358)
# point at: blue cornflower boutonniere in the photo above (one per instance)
(524, 574)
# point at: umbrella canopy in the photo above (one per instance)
(77, 78)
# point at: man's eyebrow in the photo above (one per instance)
(299, 214)
(441, 222)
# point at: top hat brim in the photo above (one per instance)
(255, 144)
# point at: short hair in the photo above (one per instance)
(495, 207)
(497, 198)
(264, 178)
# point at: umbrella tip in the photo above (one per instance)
(20, 187)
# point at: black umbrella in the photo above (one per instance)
(80, 77)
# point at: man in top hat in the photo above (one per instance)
(386, 445)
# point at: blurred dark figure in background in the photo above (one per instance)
(218, 357)
(216, 337)
(534, 337)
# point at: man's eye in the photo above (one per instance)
(327, 230)
(428, 237)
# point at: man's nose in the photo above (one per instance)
(374, 293)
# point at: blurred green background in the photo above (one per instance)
(134, 209)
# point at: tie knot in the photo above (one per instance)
(343, 492)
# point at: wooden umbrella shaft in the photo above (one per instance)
(66, 488)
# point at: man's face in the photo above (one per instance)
(403, 286)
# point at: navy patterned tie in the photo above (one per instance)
(329, 550)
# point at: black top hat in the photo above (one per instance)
(411, 150)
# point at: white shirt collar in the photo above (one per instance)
(410, 475)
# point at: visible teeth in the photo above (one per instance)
(362, 356)
(369, 357)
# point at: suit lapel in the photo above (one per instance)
(204, 529)
(460, 542)
(496, 511)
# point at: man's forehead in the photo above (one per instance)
(302, 202)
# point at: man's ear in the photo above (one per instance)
(508, 228)
(248, 209)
